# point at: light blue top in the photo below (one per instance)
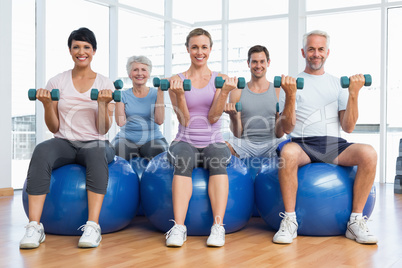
(140, 126)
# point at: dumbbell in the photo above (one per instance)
(115, 95)
(299, 82)
(345, 81)
(118, 84)
(54, 94)
(238, 107)
(165, 84)
(241, 82)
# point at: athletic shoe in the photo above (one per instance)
(176, 236)
(91, 236)
(217, 236)
(357, 230)
(287, 231)
(34, 235)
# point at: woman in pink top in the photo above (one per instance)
(199, 139)
(79, 126)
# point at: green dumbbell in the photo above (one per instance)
(116, 95)
(165, 84)
(345, 81)
(277, 107)
(241, 82)
(299, 82)
(238, 107)
(54, 94)
(118, 84)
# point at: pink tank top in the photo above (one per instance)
(200, 133)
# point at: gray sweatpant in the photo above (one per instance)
(185, 157)
(128, 149)
(54, 153)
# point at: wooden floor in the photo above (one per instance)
(140, 245)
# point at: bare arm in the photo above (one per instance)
(235, 117)
(178, 99)
(50, 107)
(287, 120)
(348, 117)
(105, 111)
(159, 108)
(220, 98)
(120, 114)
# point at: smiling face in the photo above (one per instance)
(139, 73)
(258, 64)
(316, 53)
(199, 48)
(82, 53)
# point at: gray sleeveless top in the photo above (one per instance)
(258, 114)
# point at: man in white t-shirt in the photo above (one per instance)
(314, 118)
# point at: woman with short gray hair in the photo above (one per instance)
(139, 114)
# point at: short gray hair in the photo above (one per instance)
(315, 32)
(138, 59)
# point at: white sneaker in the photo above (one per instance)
(217, 236)
(287, 231)
(91, 236)
(176, 236)
(357, 230)
(34, 235)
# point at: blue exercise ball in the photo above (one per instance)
(156, 197)
(66, 205)
(254, 165)
(139, 165)
(323, 202)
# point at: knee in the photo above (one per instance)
(369, 156)
(289, 155)
(41, 151)
(183, 160)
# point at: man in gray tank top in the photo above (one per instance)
(254, 127)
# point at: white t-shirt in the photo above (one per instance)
(318, 105)
(77, 112)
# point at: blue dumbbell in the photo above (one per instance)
(54, 94)
(165, 84)
(238, 107)
(118, 84)
(241, 82)
(115, 95)
(345, 81)
(299, 82)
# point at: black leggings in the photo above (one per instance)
(54, 153)
(128, 149)
(185, 157)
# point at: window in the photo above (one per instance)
(319, 4)
(239, 9)
(136, 38)
(394, 91)
(62, 17)
(190, 11)
(23, 70)
(155, 6)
